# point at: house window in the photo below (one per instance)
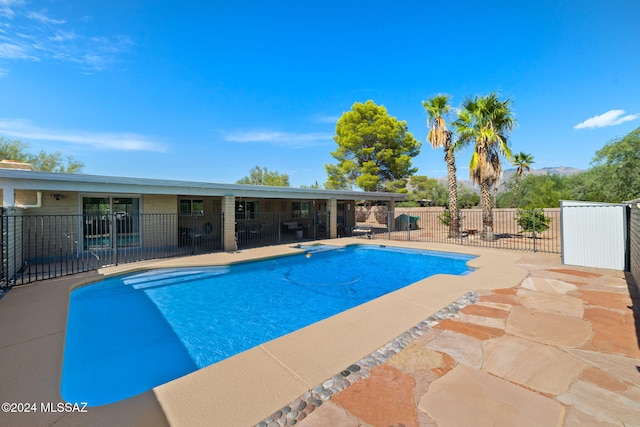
(300, 209)
(96, 206)
(246, 210)
(191, 206)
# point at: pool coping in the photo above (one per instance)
(244, 389)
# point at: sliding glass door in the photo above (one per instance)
(110, 221)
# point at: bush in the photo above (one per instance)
(445, 218)
(533, 221)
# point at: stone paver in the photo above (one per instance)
(330, 414)
(615, 301)
(552, 329)
(549, 286)
(462, 348)
(614, 332)
(602, 404)
(470, 397)
(572, 272)
(561, 349)
(480, 332)
(383, 399)
(541, 367)
(564, 305)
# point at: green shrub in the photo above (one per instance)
(445, 217)
(533, 221)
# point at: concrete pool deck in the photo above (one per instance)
(532, 310)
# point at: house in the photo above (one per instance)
(57, 217)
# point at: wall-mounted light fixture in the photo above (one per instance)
(57, 196)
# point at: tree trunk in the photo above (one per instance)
(487, 212)
(454, 225)
(516, 189)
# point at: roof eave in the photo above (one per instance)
(35, 180)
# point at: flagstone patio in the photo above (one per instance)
(560, 349)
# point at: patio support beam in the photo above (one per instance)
(229, 223)
(332, 208)
(8, 196)
(391, 207)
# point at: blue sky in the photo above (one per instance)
(204, 91)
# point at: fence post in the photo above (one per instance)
(535, 238)
(113, 236)
(193, 233)
(4, 268)
(223, 231)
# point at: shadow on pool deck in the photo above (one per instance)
(532, 311)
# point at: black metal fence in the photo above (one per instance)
(38, 247)
(278, 227)
(529, 230)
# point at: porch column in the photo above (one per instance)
(229, 224)
(391, 206)
(8, 196)
(332, 208)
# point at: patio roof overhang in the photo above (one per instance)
(49, 181)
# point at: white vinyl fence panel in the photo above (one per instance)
(594, 234)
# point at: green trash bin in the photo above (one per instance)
(405, 222)
(413, 222)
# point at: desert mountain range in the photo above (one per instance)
(558, 170)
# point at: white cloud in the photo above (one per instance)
(35, 36)
(610, 118)
(98, 140)
(6, 7)
(12, 51)
(281, 139)
(61, 36)
(40, 16)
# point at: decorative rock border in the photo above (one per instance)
(308, 402)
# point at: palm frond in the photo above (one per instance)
(437, 108)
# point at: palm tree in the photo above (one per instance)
(523, 161)
(437, 108)
(486, 121)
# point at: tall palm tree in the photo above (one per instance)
(486, 122)
(523, 162)
(437, 108)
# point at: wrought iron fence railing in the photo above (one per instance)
(536, 230)
(37, 247)
(265, 228)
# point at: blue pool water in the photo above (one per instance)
(128, 334)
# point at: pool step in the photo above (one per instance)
(171, 277)
(312, 249)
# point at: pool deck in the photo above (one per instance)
(545, 344)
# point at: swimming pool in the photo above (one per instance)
(128, 334)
